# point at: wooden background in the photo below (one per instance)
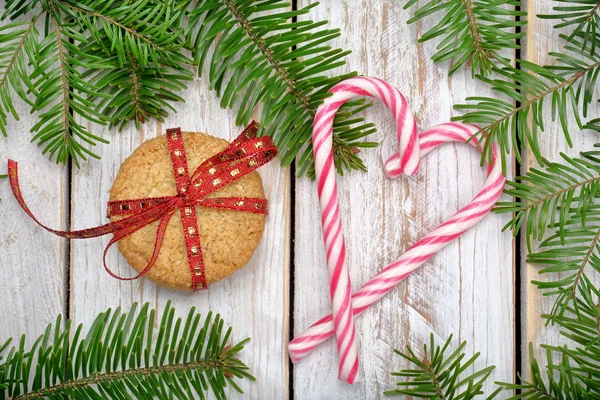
(474, 288)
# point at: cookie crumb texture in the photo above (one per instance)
(228, 238)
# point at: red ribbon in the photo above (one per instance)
(242, 156)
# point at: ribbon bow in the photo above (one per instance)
(245, 154)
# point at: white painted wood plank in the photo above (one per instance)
(466, 290)
(543, 38)
(254, 300)
(33, 262)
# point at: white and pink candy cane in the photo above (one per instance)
(406, 161)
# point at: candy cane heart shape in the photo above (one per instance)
(417, 254)
(406, 161)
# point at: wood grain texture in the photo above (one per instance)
(254, 300)
(466, 290)
(33, 263)
(543, 38)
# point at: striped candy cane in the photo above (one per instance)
(425, 248)
(407, 161)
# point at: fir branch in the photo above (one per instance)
(261, 57)
(576, 374)
(472, 31)
(582, 326)
(139, 94)
(18, 8)
(559, 206)
(17, 39)
(537, 388)
(436, 374)
(569, 85)
(545, 197)
(583, 16)
(570, 373)
(119, 358)
(149, 32)
(147, 66)
(58, 82)
(126, 60)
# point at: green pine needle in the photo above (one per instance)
(143, 44)
(125, 356)
(581, 15)
(472, 32)
(569, 85)
(572, 371)
(440, 373)
(558, 206)
(17, 39)
(545, 386)
(126, 60)
(261, 57)
(555, 204)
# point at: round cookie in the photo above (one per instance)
(228, 238)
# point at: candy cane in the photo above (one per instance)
(407, 161)
(425, 248)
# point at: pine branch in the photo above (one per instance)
(559, 206)
(147, 65)
(262, 57)
(113, 62)
(57, 82)
(547, 196)
(138, 38)
(582, 326)
(142, 41)
(440, 375)
(545, 388)
(17, 39)
(472, 31)
(569, 85)
(139, 94)
(583, 16)
(571, 372)
(119, 358)
(576, 375)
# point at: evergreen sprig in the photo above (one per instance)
(57, 82)
(555, 204)
(143, 43)
(583, 16)
(472, 32)
(558, 205)
(118, 61)
(582, 326)
(438, 375)
(572, 373)
(124, 356)
(266, 54)
(516, 124)
(547, 386)
(17, 39)
(105, 62)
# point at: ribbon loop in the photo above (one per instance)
(244, 155)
